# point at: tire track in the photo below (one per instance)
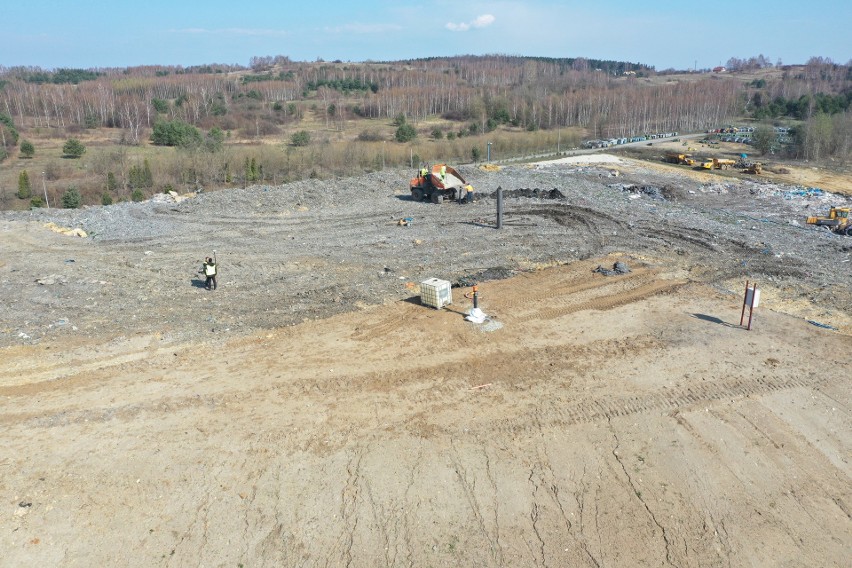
(589, 410)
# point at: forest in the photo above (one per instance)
(204, 125)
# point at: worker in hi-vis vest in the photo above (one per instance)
(209, 270)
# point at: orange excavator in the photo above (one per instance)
(439, 182)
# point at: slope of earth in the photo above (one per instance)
(310, 412)
(617, 421)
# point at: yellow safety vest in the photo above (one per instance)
(209, 269)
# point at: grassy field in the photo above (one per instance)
(354, 147)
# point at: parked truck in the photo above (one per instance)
(439, 182)
(722, 163)
(684, 159)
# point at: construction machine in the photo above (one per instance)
(684, 159)
(754, 168)
(838, 221)
(440, 182)
(722, 163)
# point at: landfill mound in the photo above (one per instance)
(609, 410)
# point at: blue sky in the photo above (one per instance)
(662, 33)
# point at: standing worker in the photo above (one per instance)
(443, 173)
(209, 269)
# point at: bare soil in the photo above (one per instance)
(310, 412)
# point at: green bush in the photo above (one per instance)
(370, 136)
(25, 189)
(301, 138)
(36, 202)
(137, 195)
(27, 149)
(71, 198)
(175, 133)
(160, 105)
(406, 133)
(106, 199)
(73, 148)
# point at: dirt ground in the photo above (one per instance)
(605, 421)
(836, 180)
(310, 412)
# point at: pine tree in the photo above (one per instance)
(25, 190)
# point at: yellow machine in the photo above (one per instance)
(838, 221)
(722, 163)
(675, 158)
(707, 165)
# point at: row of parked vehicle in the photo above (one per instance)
(742, 135)
(618, 141)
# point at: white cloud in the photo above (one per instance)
(482, 21)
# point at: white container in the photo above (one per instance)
(752, 297)
(436, 293)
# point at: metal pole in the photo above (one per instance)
(499, 207)
(475, 297)
(44, 185)
(745, 295)
(489, 151)
(751, 306)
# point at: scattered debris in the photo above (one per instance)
(66, 230)
(52, 279)
(651, 191)
(822, 325)
(617, 268)
(535, 193)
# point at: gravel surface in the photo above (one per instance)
(314, 248)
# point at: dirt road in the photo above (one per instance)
(594, 421)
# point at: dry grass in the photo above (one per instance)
(334, 151)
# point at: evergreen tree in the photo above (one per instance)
(73, 148)
(71, 198)
(27, 149)
(25, 189)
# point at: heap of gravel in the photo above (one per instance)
(314, 248)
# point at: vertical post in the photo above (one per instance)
(745, 295)
(44, 186)
(499, 207)
(475, 297)
(751, 304)
(489, 152)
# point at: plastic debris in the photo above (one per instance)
(617, 268)
(822, 325)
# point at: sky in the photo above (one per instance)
(661, 33)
